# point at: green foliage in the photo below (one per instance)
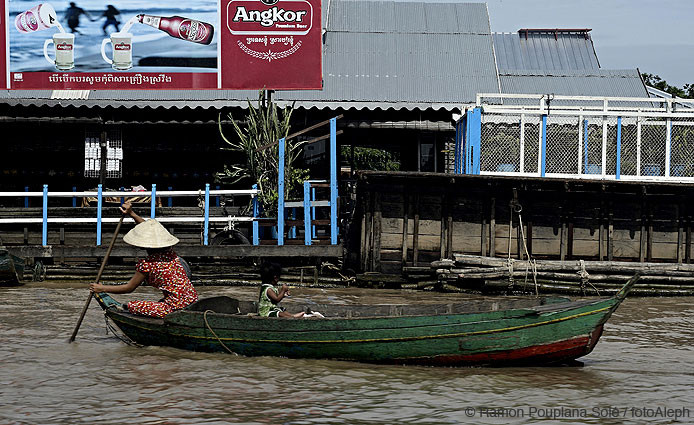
(372, 159)
(256, 141)
(655, 81)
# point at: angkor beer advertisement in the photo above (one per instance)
(133, 44)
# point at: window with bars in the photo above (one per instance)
(114, 153)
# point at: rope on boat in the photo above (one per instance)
(585, 278)
(530, 264)
(204, 316)
(120, 335)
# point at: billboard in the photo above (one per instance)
(133, 44)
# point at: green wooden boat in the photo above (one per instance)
(479, 332)
(11, 269)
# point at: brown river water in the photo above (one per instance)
(640, 372)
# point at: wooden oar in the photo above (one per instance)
(98, 278)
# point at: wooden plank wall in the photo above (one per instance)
(411, 219)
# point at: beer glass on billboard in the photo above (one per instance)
(122, 50)
(64, 52)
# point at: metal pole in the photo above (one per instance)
(543, 147)
(256, 239)
(618, 170)
(207, 214)
(99, 204)
(44, 232)
(307, 213)
(154, 201)
(280, 194)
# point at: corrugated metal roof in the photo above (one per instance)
(544, 50)
(599, 82)
(408, 17)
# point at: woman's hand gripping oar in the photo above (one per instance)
(98, 278)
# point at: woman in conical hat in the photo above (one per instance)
(162, 269)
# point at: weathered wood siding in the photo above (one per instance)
(411, 219)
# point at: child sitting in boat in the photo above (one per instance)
(271, 294)
(162, 269)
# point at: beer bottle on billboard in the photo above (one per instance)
(180, 27)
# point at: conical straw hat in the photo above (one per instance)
(150, 234)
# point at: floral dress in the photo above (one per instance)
(164, 271)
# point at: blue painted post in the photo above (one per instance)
(44, 233)
(217, 197)
(99, 204)
(154, 201)
(170, 203)
(543, 147)
(313, 212)
(122, 198)
(458, 147)
(74, 198)
(280, 195)
(618, 171)
(292, 232)
(256, 238)
(585, 146)
(26, 198)
(468, 148)
(307, 213)
(474, 125)
(333, 181)
(207, 214)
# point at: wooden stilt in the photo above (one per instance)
(405, 217)
(444, 223)
(485, 231)
(680, 233)
(610, 234)
(492, 228)
(377, 233)
(415, 233)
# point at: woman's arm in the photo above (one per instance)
(125, 288)
(127, 209)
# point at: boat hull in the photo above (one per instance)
(562, 333)
(11, 269)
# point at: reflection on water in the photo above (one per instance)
(642, 361)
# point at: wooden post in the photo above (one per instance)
(483, 237)
(368, 232)
(492, 228)
(680, 233)
(601, 228)
(405, 216)
(529, 229)
(449, 238)
(610, 233)
(649, 247)
(643, 235)
(688, 243)
(570, 236)
(415, 232)
(377, 229)
(442, 236)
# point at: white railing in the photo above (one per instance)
(153, 194)
(582, 137)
